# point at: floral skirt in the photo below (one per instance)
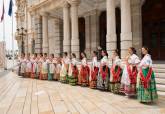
(83, 78)
(93, 84)
(102, 84)
(63, 76)
(114, 87)
(129, 90)
(93, 78)
(73, 80)
(147, 94)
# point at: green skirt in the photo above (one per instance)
(50, 76)
(72, 80)
(149, 94)
(63, 76)
(64, 79)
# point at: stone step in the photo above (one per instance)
(160, 75)
(160, 87)
(161, 93)
(159, 70)
(160, 81)
(161, 66)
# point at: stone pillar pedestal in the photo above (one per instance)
(126, 32)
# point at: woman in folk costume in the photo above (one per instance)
(39, 65)
(73, 71)
(146, 85)
(57, 68)
(22, 65)
(116, 73)
(34, 66)
(44, 67)
(94, 71)
(28, 66)
(51, 67)
(64, 70)
(103, 77)
(129, 76)
(83, 78)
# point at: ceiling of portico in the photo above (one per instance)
(85, 7)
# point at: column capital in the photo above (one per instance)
(66, 5)
(44, 14)
(74, 2)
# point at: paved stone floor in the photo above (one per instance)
(29, 96)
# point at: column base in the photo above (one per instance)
(66, 48)
(75, 47)
(45, 50)
(126, 42)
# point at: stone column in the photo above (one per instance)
(38, 33)
(58, 36)
(26, 43)
(45, 43)
(67, 36)
(75, 33)
(126, 31)
(137, 24)
(87, 36)
(94, 26)
(111, 27)
(29, 34)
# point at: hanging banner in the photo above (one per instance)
(2, 55)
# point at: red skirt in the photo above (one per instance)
(84, 76)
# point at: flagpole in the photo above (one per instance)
(13, 39)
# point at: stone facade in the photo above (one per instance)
(53, 25)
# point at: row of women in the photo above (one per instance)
(134, 78)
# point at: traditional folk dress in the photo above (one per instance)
(129, 76)
(38, 67)
(22, 67)
(83, 78)
(73, 72)
(44, 70)
(34, 68)
(94, 69)
(57, 70)
(103, 76)
(64, 70)
(28, 67)
(116, 73)
(51, 69)
(146, 85)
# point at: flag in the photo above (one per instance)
(3, 12)
(10, 8)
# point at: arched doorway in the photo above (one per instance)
(154, 27)
(103, 28)
(82, 33)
